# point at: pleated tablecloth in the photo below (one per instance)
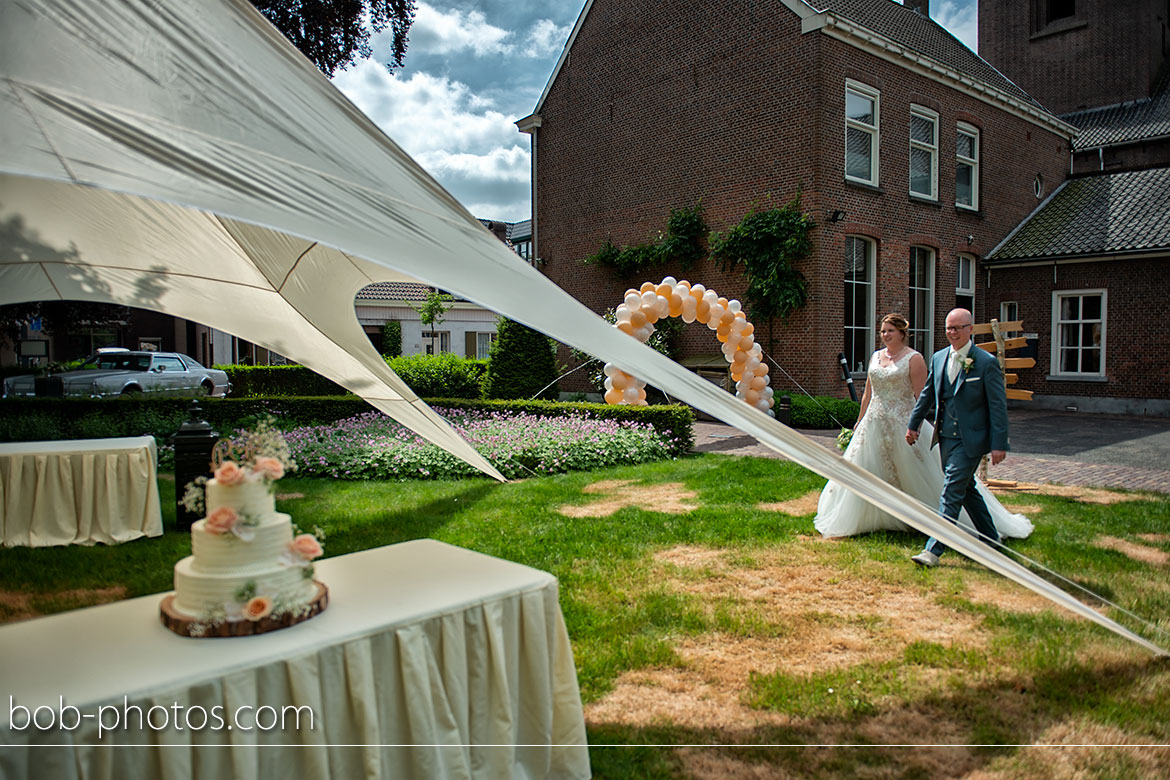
(431, 661)
(78, 492)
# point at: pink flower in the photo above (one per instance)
(221, 521)
(257, 608)
(269, 468)
(306, 546)
(229, 473)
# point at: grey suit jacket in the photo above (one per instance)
(980, 402)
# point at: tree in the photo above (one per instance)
(336, 33)
(523, 363)
(431, 312)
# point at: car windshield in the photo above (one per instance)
(119, 361)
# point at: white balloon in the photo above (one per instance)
(711, 297)
(734, 306)
(763, 405)
(771, 413)
(737, 325)
(670, 280)
(610, 369)
(768, 391)
(630, 394)
(698, 287)
(633, 301)
(622, 313)
(663, 306)
(739, 394)
(649, 299)
(609, 383)
(752, 364)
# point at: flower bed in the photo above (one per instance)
(373, 446)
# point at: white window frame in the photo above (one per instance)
(1057, 296)
(442, 340)
(969, 291)
(970, 162)
(922, 112)
(479, 336)
(866, 324)
(916, 328)
(1009, 311)
(874, 131)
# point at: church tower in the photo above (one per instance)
(1076, 54)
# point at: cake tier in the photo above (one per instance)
(247, 498)
(228, 552)
(199, 593)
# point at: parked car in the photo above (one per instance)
(122, 372)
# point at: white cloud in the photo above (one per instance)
(960, 19)
(449, 32)
(546, 38)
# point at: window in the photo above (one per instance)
(1009, 311)
(921, 313)
(861, 132)
(478, 345)
(859, 340)
(169, 364)
(1078, 333)
(967, 167)
(524, 249)
(965, 282)
(437, 340)
(923, 152)
(1059, 9)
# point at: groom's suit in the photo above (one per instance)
(970, 420)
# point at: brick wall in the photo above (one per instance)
(662, 104)
(1109, 52)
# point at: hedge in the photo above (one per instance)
(444, 375)
(248, 381)
(36, 419)
(820, 412)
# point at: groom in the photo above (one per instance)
(965, 393)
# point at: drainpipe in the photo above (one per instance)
(530, 125)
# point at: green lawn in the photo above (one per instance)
(756, 631)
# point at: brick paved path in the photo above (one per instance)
(717, 437)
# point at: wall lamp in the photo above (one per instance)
(836, 215)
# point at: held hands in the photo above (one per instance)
(912, 436)
(997, 456)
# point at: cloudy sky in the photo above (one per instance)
(473, 67)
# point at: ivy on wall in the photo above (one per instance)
(768, 244)
(682, 243)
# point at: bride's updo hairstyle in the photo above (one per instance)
(899, 322)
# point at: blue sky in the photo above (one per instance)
(475, 67)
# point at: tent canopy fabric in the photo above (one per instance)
(185, 157)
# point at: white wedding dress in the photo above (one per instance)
(879, 446)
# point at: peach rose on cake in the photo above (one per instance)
(306, 546)
(230, 473)
(221, 521)
(257, 608)
(268, 468)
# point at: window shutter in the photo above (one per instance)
(469, 345)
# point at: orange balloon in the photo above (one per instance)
(641, 394)
(739, 357)
(651, 313)
(647, 287)
(675, 305)
(759, 383)
(723, 302)
(620, 380)
(664, 290)
(703, 311)
(627, 293)
(728, 318)
(637, 319)
(751, 396)
(761, 370)
(613, 396)
(736, 376)
(698, 294)
(627, 326)
(749, 329)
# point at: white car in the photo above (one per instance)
(122, 372)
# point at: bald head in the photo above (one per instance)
(959, 323)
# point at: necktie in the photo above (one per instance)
(953, 366)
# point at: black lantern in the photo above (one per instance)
(193, 445)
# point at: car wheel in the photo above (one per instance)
(206, 388)
(132, 391)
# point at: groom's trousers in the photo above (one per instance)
(959, 492)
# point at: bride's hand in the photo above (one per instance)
(911, 437)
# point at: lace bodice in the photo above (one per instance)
(891, 394)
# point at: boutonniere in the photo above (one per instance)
(967, 363)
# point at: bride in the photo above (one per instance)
(896, 376)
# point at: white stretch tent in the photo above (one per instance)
(183, 156)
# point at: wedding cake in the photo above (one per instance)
(247, 571)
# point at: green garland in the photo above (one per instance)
(682, 243)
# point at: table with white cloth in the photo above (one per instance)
(431, 661)
(79, 491)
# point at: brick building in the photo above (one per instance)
(914, 157)
(1087, 270)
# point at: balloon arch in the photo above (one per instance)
(669, 298)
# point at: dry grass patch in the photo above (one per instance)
(1006, 595)
(1137, 552)
(1155, 538)
(288, 496)
(1085, 495)
(797, 507)
(15, 605)
(668, 497)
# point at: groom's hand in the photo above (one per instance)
(997, 456)
(912, 436)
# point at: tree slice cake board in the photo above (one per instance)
(182, 623)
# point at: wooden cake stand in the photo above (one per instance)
(182, 623)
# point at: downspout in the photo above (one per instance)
(530, 125)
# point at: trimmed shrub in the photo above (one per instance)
(249, 381)
(441, 376)
(392, 339)
(523, 362)
(824, 412)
